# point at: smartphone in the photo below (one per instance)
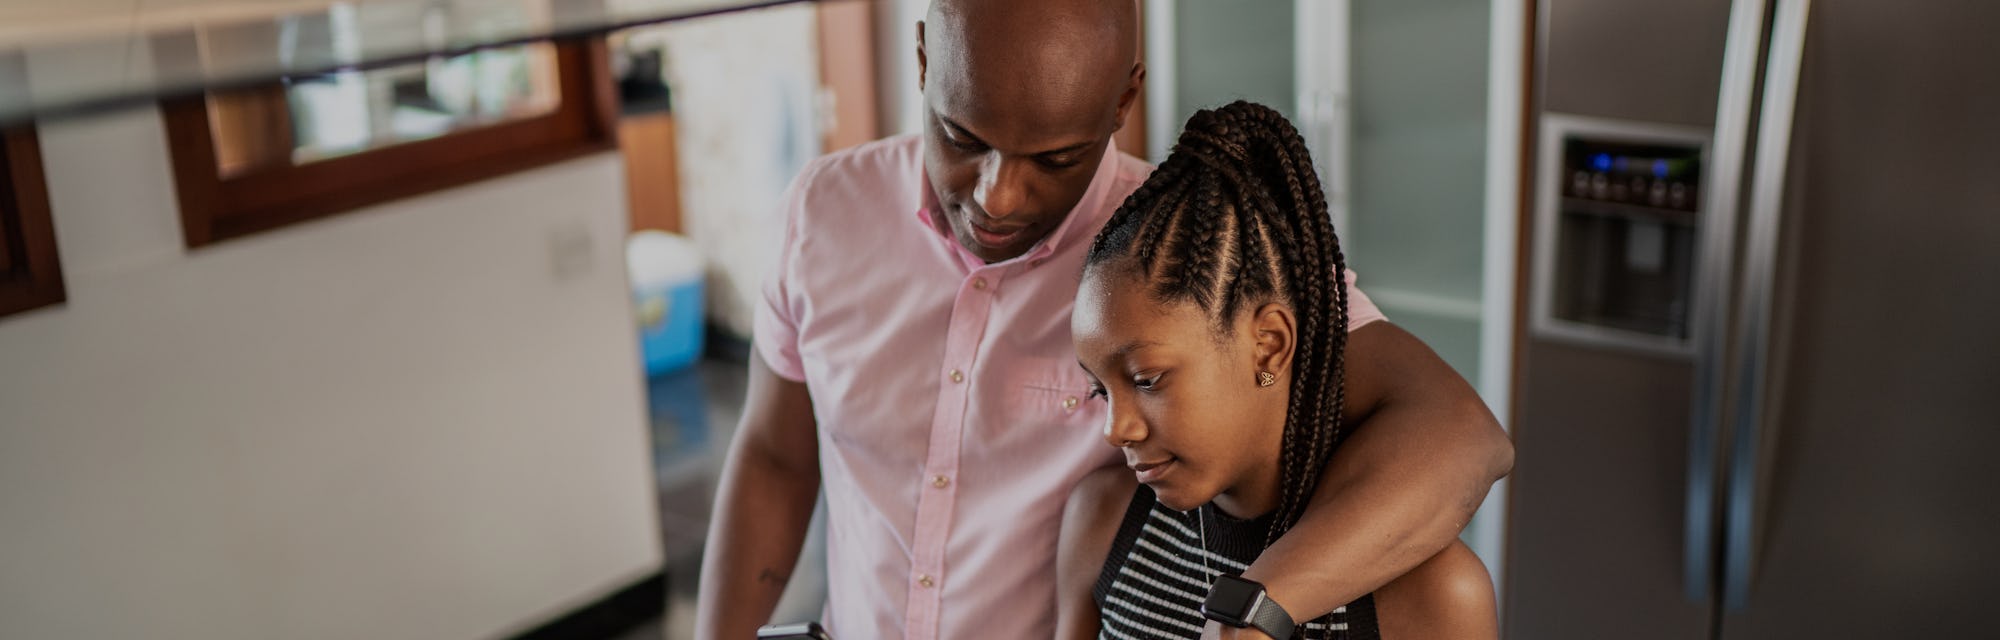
(796, 631)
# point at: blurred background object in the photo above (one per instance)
(1758, 367)
(1414, 143)
(429, 318)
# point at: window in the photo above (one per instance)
(252, 159)
(30, 275)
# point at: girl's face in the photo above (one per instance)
(1186, 406)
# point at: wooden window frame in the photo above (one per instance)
(216, 208)
(30, 273)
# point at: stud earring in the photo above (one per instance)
(1266, 378)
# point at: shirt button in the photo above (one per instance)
(1069, 403)
(940, 482)
(979, 283)
(926, 581)
(957, 376)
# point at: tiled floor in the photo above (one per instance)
(694, 414)
(650, 631)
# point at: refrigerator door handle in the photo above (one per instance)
(1711, 294)
(1759, 281)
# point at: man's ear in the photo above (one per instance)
(922, 62)
(1135, 83)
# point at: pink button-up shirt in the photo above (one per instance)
(952, 413)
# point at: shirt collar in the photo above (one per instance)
(1087, 207)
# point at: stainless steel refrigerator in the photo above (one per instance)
(1759, 372)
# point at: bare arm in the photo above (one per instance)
(762, 507)
(1090, 522)
(1422, 454)
(1448, 597)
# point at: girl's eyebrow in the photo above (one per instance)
(1122, 351)
(1135, 345)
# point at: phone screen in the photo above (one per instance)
(798, 631)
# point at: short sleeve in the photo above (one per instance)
(1360, 310)
(776, 323)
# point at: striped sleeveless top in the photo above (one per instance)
(1155, 580)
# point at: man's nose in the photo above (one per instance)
(1002, 191)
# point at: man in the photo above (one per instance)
(914, 351)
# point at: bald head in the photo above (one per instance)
(1051, 46)
(1113, 23)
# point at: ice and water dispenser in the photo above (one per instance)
(1617, 222)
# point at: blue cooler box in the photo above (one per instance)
(666, 276)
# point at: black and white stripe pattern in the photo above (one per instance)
(1155, 580)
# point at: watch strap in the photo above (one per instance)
(1272, 619)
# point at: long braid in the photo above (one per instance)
(1233, 219)
(1196, 270)
(1149, 240)
(1318, 247)
(1304, 280)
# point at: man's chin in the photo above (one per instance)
(993, 254)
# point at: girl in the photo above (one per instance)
(1213, 318)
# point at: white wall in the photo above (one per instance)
(1506, 82)
(745, 109)
(399, 423)
(902, 105)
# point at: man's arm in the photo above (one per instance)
(1422, 454)
(762, 507)
(1090, 523)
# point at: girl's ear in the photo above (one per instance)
(1275, 332)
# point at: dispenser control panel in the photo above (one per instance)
(1617, 223)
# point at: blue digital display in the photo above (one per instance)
(1656, 167)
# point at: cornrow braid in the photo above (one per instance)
(1235, 218)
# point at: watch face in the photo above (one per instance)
(1231, 597)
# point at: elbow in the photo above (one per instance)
(1488, 454)
(1494, 447)
(1500, 454)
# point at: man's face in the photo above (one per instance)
(1013, 133)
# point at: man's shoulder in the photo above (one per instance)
(1133, 166)
(848, 198)
(888, 163)
(1129, 173)
(847, 188)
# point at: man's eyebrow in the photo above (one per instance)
(959, 131)
(1080, 146)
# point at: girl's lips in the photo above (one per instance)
(1150, 472)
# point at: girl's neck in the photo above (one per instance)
(1252, 498)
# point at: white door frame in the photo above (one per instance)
(1323, 33)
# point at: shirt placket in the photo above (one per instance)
(970, 312)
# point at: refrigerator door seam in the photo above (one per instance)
(1712, 290)
(1753, 322)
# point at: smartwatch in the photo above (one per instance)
(1241, 603)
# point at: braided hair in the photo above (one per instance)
(1235, 219)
